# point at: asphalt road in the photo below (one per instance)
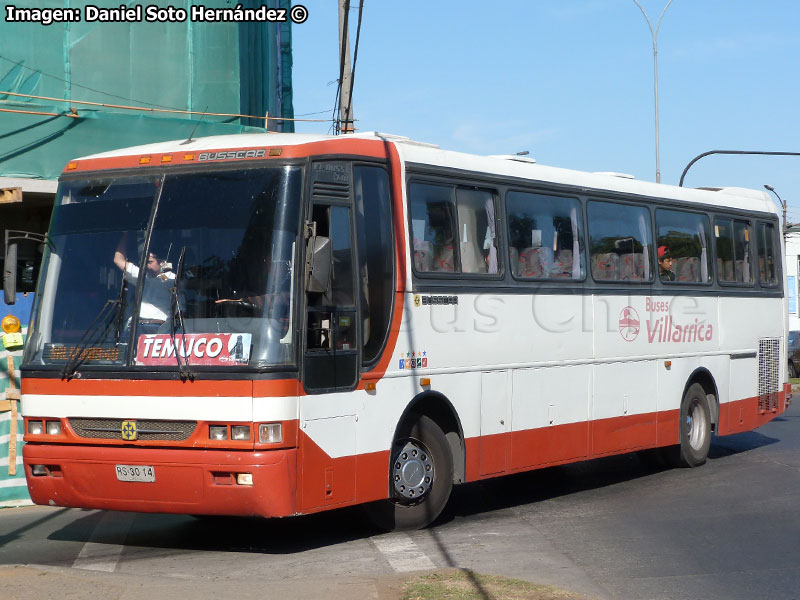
(610, 528)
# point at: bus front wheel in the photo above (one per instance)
(695, 429)
(420, 478)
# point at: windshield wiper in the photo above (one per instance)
(175, 309)
(116, 316)
(109, 309)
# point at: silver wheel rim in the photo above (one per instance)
(412, 472)
(696, 426)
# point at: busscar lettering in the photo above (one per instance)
(231, 155)
(43, 16)
(439, 300)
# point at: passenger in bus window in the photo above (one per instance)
(156, 296)
(665, 264)
(440, 220)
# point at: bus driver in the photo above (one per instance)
(156, 296)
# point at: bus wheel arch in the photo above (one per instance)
(699, 411)
(425, 450)
(439, 409)
(703, 376)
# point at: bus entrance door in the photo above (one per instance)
(327, 445)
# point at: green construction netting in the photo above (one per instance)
(238, 68)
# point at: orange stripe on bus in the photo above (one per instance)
(140, 387)
(360, 147)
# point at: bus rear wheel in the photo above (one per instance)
(695, 429)
(420, 479)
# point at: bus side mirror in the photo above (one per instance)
(319, 260)
(10, 274)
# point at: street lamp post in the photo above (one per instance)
(654, 35)
(783, 206)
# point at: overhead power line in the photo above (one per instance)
(163, 110)
(73, 84)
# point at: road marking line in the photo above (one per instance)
(402, 553)
(95, 555)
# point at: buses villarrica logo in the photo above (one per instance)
(629, 324)
(129, 432)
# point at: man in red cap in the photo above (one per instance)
(665, 262)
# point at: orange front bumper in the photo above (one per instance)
(186, 481)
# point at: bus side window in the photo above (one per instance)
(733, 250)
(685, 238)
(767, 265)
(620, 242)
(545, 236)
(432, 223)
(477, 231)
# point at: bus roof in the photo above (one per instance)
(422, 153)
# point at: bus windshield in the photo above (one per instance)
(217, 250)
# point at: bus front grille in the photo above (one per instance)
(147, 430)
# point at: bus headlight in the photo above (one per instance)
(35, 427)
(240, 432)
(218, 432)
(53, 427)
(270, 433)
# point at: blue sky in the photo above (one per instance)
(572, 82)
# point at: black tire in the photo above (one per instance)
(411, 507)
(792, 371)
(695, 430)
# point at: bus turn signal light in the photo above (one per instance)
(270, 433)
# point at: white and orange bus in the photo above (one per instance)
(328, 321)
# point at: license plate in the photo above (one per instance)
(144, 473)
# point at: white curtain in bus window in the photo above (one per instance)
(767, 270)
(733, 250)
(620, 242)
(433, 223)
(544, 236)
(685, 238)
(476, 230)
